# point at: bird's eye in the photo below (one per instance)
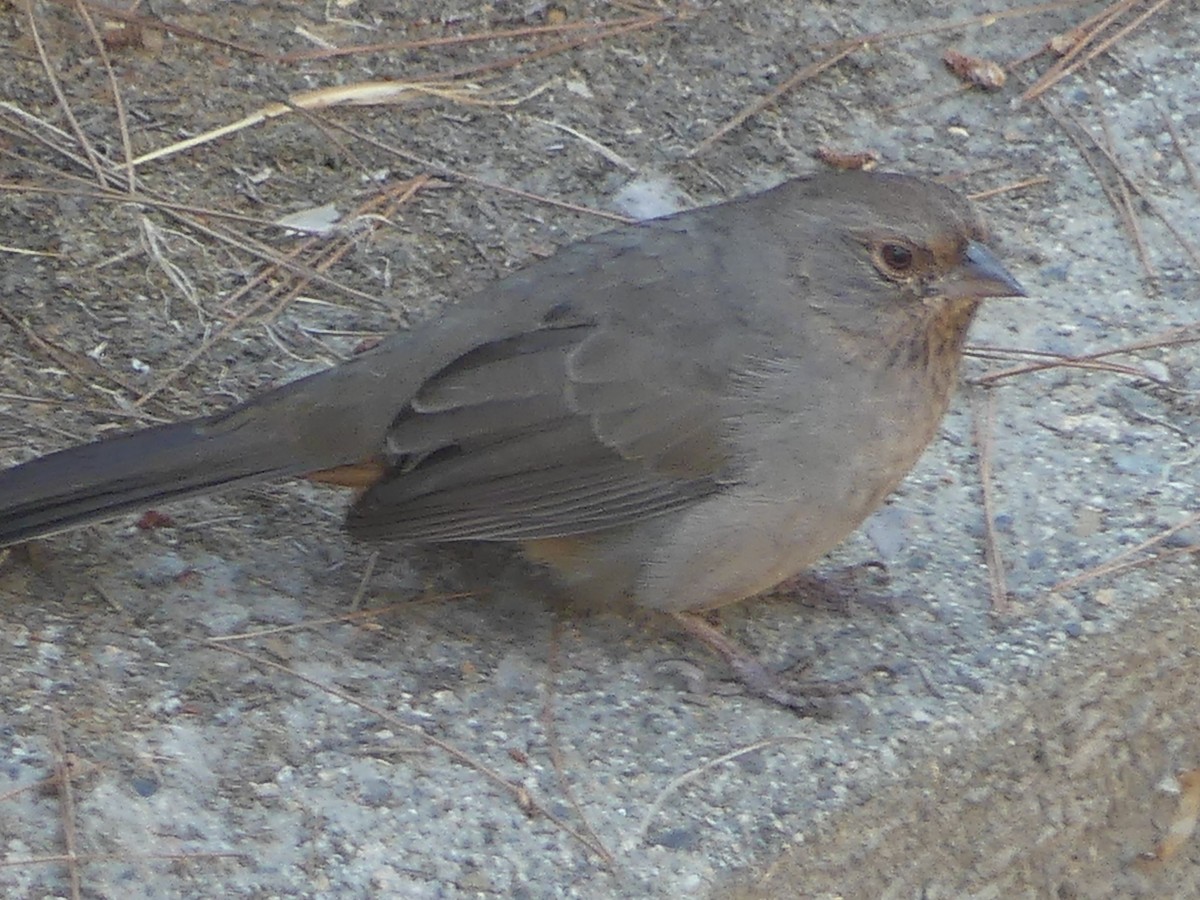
(896, 257)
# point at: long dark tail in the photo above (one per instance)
(123, 474)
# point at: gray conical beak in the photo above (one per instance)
(980, 275)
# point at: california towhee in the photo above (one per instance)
(682, 412)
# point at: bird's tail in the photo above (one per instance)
(130, 473)
(335, 418)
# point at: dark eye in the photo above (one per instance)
(896, 257)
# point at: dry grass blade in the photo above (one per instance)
(1128, 559)
(118, 100)
(21, 251)
(66, 793)
(805, 74)
(1183, 823)
(1176, 337)
(1072, 43)
(83, 369)
(1048, 361)
(364, 582)
(439, 168)
(679, 781)
(49, 68)
(369, 614)
(512, 62)
(985, 426)
(1076, 58)
(499, 34)
(1181, 149)
(1009, 188)
(519, 793)
(365, 93)
(839, 50)
(401, 195)
(20, 124)
(1125, 207)
(606, 152)
(554, 746)
(157, 23)
(1075, 131)
(122, 857)
(193, 217)
(112, 196)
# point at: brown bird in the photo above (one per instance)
(680, 413)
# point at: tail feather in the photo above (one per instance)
(123, 474)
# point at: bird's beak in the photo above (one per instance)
(980, 275)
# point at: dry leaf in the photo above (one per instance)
(975, 70)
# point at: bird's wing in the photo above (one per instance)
(613, 410)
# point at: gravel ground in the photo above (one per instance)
(248, 704)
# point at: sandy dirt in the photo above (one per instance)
(242, 702)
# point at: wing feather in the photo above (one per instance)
(609, 407)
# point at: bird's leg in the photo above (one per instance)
(756, 677)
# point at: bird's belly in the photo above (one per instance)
(762, 532)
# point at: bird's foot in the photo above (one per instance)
(806, 697)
